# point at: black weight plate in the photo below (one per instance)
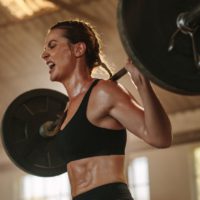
(145, 27)
(20, 132)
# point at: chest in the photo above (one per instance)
(94, 108)
(75, 106)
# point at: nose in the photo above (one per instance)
(44, 54)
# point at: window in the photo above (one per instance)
(42, 188)
(197, 171)
(138, 178)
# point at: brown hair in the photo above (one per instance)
(79, 31)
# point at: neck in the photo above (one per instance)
(77, 85)
(78, 81)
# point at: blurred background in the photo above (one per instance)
(153, 174)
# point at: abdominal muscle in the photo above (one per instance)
(88, 173)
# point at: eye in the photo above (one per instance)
(52, 44)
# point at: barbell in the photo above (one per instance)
(161, 37)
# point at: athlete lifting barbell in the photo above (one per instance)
(88, 139)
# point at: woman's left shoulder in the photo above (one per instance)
(109, 88)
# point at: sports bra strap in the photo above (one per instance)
(87, 95)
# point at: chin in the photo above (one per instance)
(54, 79)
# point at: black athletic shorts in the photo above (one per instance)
(111, 191)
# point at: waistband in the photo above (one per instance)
(111, 191)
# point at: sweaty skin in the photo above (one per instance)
(109, 106)
(88, 173)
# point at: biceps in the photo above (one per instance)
(130, 115)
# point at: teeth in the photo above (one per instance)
(51, 65)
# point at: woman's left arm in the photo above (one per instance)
(157, 124)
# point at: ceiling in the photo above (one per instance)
(21, 42)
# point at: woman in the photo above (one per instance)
(92, 135)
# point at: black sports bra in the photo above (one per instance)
(81, 139)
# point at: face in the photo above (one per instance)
(58, 55)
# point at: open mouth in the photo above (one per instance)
(51, 65)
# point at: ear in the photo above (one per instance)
(79, 49)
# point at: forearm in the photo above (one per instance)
(156, 122)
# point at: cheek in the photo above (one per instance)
(64, 62)
(62, 57)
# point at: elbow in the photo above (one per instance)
(161, 144)
(164, 142)
(168, 143)
(160, 137)
(165, 139)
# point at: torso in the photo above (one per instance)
(88, 173)
(97, 111)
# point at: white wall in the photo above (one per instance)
(9, 183)
(171, 172)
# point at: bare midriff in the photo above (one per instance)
(89, 173)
